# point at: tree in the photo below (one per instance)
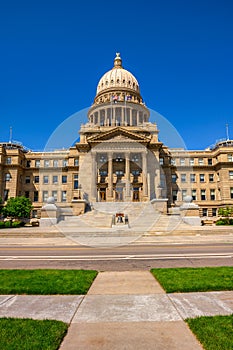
(18, 207)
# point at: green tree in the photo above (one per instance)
(226, 212)
(18, 207)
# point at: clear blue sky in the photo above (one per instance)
(54, 52)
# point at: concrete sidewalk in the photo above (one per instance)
(123, 310)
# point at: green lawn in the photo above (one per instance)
(195, 279)
(27, 334)
(214, 333)
(46, 281)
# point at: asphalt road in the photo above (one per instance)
(130, 257)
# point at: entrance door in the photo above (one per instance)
(102, 194)
(119, 194)
(136, 194)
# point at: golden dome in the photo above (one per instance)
(117, 77)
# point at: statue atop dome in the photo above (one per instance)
(118, 61)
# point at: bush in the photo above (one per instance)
(16, 223)
(226, 221)
(2, 224)
(8, 224)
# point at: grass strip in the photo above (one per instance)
(175, 280)
(46, 282)
(27, 334)
(214, 333)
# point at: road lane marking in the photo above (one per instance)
(118, 257)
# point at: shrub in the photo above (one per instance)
(2, 224)
(16, 223)
(8, 224)
(225, 221)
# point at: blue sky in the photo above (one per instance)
(54, 52)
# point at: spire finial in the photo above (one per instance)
(117, 60)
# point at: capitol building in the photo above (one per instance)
(119, 158)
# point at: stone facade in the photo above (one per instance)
(119, 158)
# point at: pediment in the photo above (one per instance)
(118, 134)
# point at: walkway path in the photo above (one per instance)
(123, 310)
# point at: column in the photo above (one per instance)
(130, 117)
(105, 116)
(110, 175)
(98, 118)
(137, 117)
(114, 116)
(122, 116)
(127, 175)
(144, 173)
(94, 175)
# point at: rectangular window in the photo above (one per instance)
(183, 177)
(210, 161)
(55, 163)
(212, 194)
(28, 163)
(194, 195)
(202, 177)
(161, 161)
(231, 175)
(26, 194)
(27, 179)
(36, 196)
(64, 179)
(45, 196)
(191, 161)
(214, 211)
(231, 192)
(34, 213)
(8, 160)
(55, 179)
(65, 162)
(7, 177)
(230, 157)
(45, 179)
(200, 161)
(76, 162)
(174, 178)
(203, 195)
(46, 163)
(36, 179)
(204, 212)
(54, 195)
(211, 177)
(192, 178)
(63, 196)
(37, 163)
(174, 195)
(119, 173)
(173, 161)
(182, 161)
(184, 194)
(75, 181)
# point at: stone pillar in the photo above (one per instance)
(144, 174)
(137, 117)
(110, 175)
(130, 117)
(127, 176)
(98, 118)
(94, 175)
(122, 116)
(49, 213)
(105, 116)
(114, 116)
